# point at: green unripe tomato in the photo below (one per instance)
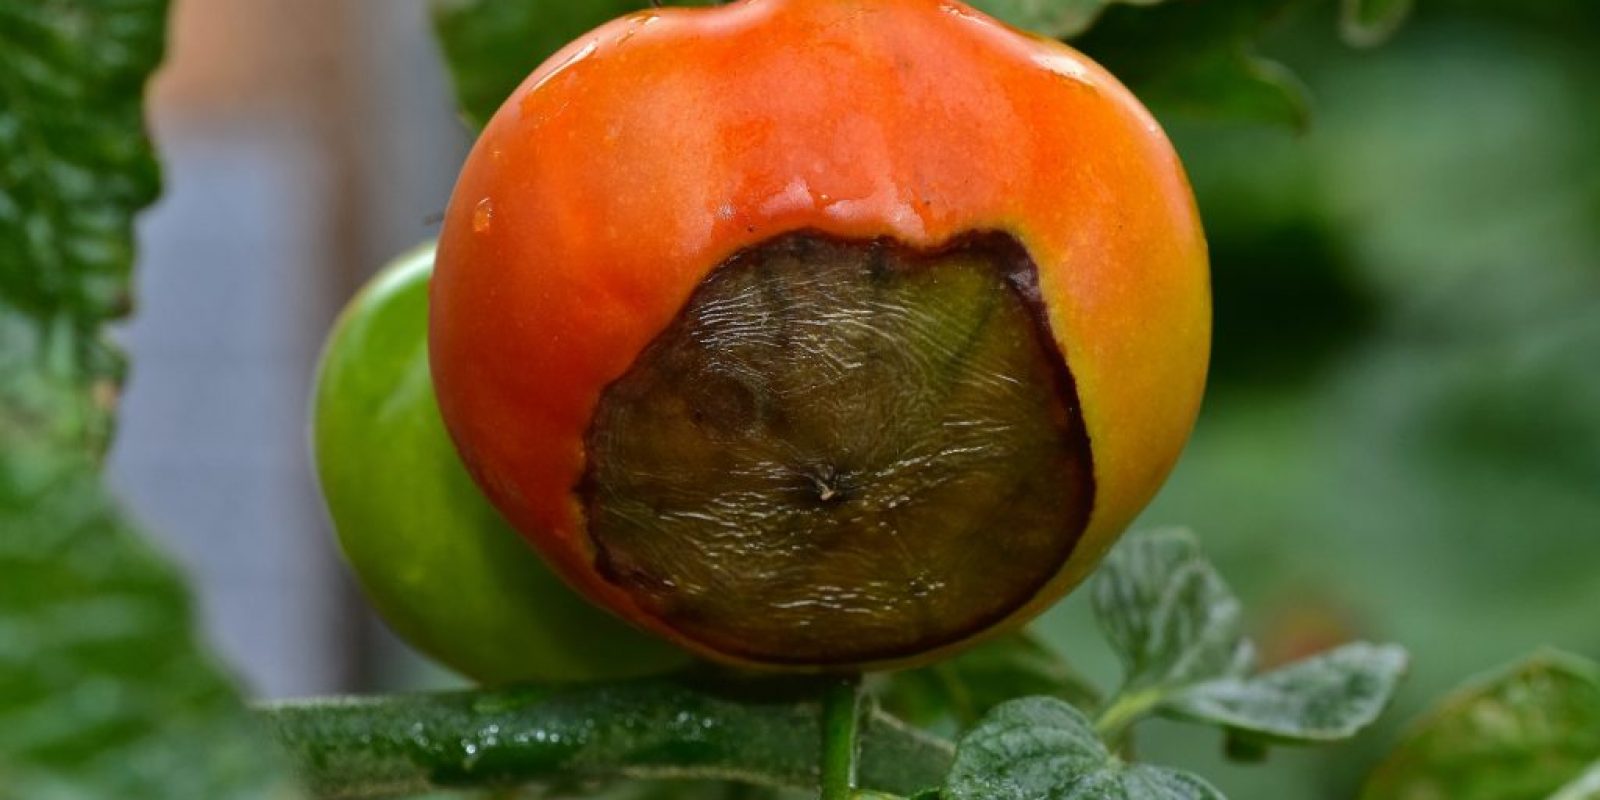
(430, 552)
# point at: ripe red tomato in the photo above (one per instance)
(821, 333)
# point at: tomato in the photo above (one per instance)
(821, 334)
(434, 557)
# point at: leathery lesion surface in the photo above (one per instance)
(842, 451)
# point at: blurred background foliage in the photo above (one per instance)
(1401, 441)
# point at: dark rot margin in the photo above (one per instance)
(843, 451)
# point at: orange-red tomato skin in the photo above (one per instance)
(645, 153)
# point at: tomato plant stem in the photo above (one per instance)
(841, 723)
(767, 733)
(1123, 711)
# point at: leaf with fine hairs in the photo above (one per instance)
(1040, 747)
(1169, 615)
(1325, 698)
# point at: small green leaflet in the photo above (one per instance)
(1198, 60)
(1175, 625)
(1170, 616)
(1041, 747)
(1524, 733)
(1324, 698)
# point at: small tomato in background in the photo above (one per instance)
(430, 552)
(821, 334)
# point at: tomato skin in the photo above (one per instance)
(433, 556)
(646, 153)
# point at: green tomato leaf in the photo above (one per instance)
(1170, 616)
(1366, 23)
(1585, 787)
(1524, 733)
(1198, 60)
(103, 691)
(76, 161)
(1041, 747)
(1325, 698)
(58, 384)
(491, 45)
(1176, 627)
(1057, 19)
(1234, 85)
(76, 166)
(953, 695)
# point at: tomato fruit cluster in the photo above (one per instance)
(820, 334)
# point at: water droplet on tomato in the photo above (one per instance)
(482, 216)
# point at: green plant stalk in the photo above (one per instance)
(841, 725)
(757, 732)
(1124, 710)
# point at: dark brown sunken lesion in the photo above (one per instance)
(843, 451)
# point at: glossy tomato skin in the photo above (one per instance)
(647, 152)
(434, 557)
